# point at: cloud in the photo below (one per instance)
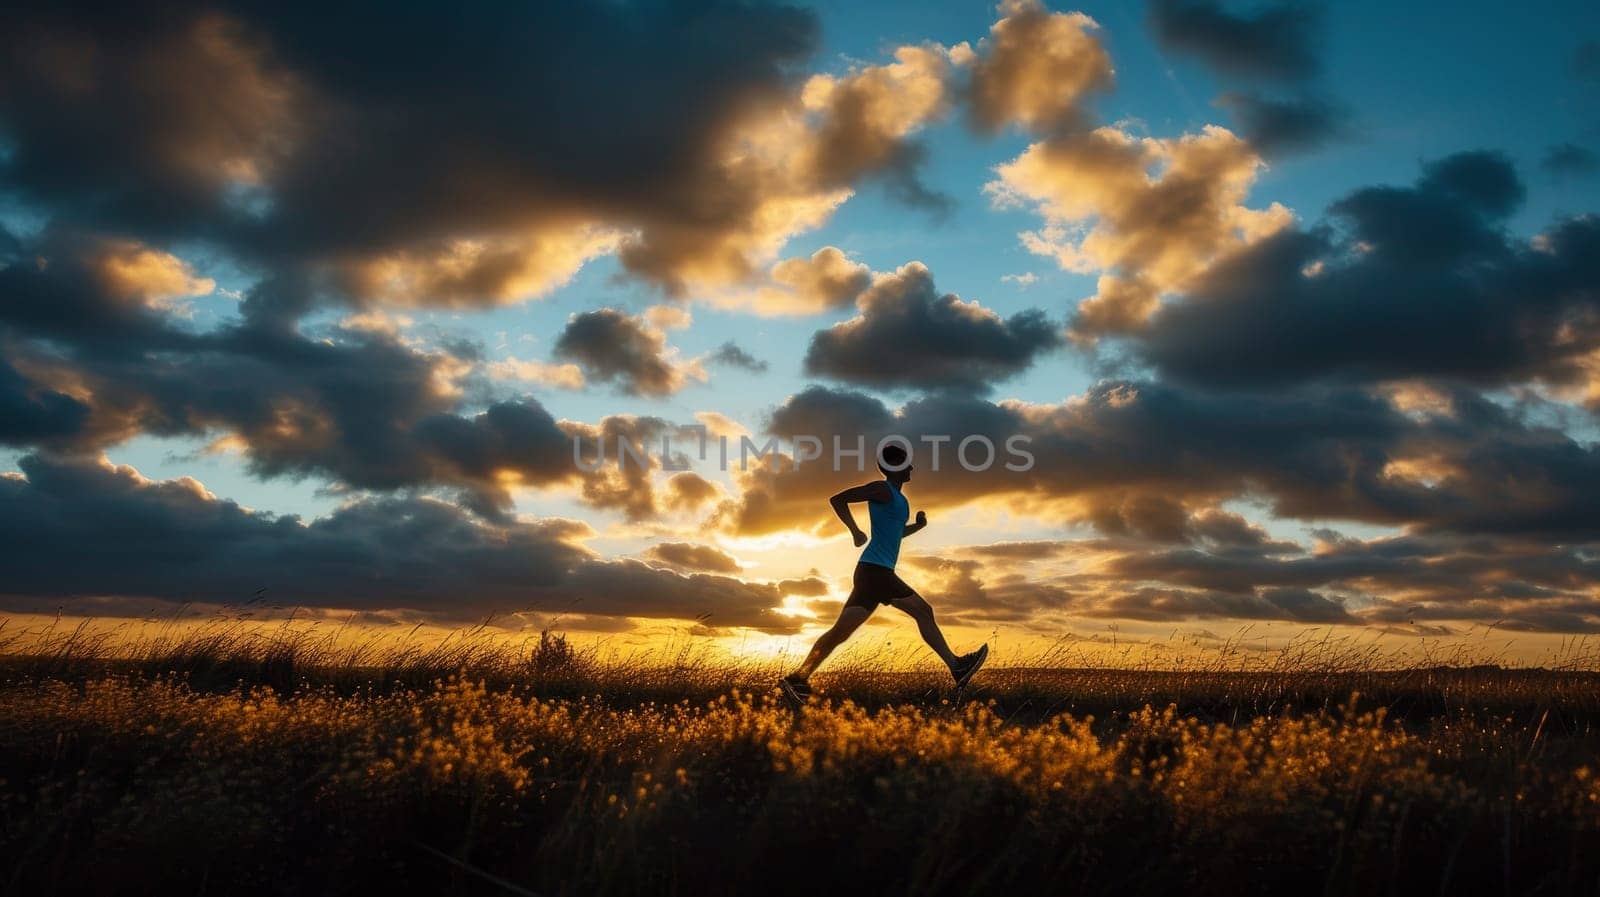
(1018, 550)
(1278, 126)
(559, 376)
(970, 592)
(1276, 40)
(173, 541)
(908, 335)
(613, 347)
(1137, 460)
(147, 123)
(69, 285)
(1406, 579)
(866, 116)
(686, 556)
(131, 272)
(31, 414)
(1144, 457)
(472, 272)
(718, 424)
(1568, 160)
(1035, 69)
(731, 355)
(668, 317)
(1023, 280)
(688, 491)
(91, 363)
(1415, 282)
(826, 280)
(1414, 583)
(809, 587)
(690, 149)
(1148, 213)
(629, 487)
(1295, 605)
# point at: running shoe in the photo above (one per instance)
(967, 665)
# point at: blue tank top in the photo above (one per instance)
(888, 527)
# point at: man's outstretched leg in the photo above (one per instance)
(961, 667)
(795, 686)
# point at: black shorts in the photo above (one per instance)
(875, 585)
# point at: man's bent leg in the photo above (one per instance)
(922, 612)
(849, 620)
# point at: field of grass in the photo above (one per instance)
(223, 763)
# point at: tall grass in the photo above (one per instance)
(1311, 671)
(236, 760)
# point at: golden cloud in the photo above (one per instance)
(473, 272)
(559, 376)
(1152, 212)
(828, 279)
(135, 272)
(1036, 67)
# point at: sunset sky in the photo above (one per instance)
(1298, 303)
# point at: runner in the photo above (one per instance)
(875, 580)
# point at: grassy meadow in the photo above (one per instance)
(225, 762)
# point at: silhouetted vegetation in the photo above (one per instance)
(225, 761)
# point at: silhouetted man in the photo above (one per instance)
(875, 580)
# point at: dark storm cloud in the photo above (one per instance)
(731, 355)
(31, 414)
(1411, 582)
(1277, 40)
(970, 593)
(94, 291)
(1155, 518)
(662, 75)
(1436, 567)
(819, 409)
(1127, 454)
(1523, 584)
(448, 156)
(1479, 181)
(1568, 160)
(131, 120)
(809, 587)
(613, 347)
(1294, 605)
(1125, 438)
(91, 362)
(1278, 126)
(632, 588)
(83, 529)
(687, 556)
(909, 336)
(1419, 281)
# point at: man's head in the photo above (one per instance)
(893, 462)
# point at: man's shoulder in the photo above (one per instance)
(878, 490)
